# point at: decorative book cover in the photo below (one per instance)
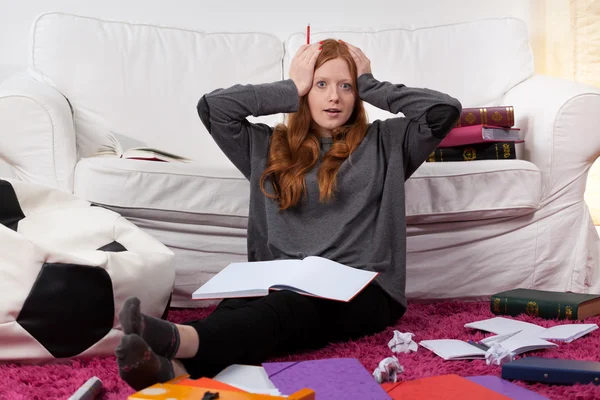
(552, 370)
(447, 387)
(331, 379)
(474, 152)
(498, 116)
(473, 134)
(545, 304)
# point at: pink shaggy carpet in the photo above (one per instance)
(426, 321)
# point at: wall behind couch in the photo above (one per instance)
(16, 16)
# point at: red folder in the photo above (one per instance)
(480, 134)
(442, 387)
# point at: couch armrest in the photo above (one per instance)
(37, 135)
(560, 122)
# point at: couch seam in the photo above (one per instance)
(242, 179)
(175, 28)
(51, 123)
(554, 125)
(477, 173)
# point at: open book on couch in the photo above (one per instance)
(143, 153)
(311, 276)
(111, 146)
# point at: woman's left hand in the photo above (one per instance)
(363, 64)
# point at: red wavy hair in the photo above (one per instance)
(294, 149)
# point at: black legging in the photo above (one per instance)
(250, 331)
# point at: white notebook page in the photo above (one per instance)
(313, 275)
(453, 349)
(249, 279)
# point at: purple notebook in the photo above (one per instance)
(331, 378)
(506, 388)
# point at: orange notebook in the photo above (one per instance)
(443, 387)
(209, 383)
(183, 388)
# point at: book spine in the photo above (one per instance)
(537, 308)
(483, 151)
(496, 116)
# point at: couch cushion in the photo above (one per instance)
(437, 192)
(180, 187)
(143, 81)
(475, 62)
(472, 190)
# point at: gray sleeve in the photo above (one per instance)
(224, 111)
(430, 115)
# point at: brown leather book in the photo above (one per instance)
(503, 116)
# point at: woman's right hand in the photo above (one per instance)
(302, 68)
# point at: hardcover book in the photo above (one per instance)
(552, 370)
(545, 304)
(498, 116)
(474, 152)
(480, 134)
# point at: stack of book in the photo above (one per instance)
(480, 134)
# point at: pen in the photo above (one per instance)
(308, 34)
(478, 345)
(90, 390)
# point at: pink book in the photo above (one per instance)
(480, 134)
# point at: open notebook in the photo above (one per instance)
(516, 336)
(560, 333)
(454, 349)
(311, 276)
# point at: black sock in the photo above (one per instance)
(139, 366)
(162, 336)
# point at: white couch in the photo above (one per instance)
(474, 228)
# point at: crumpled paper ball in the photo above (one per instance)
(402, 343)
(388, 370)
(498, 355)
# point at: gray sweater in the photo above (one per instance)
(364, 225)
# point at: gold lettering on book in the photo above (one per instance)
(568, 312)
(469, 154)
(511, 115)
(496, 116)
(485, 120)
(431, 157)
(496, 305)
(470, 118)
(532, 309)
(506, 148)
(558, 316)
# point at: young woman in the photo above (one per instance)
(327, 184)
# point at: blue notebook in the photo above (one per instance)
(552, 370)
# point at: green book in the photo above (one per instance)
(545, 304)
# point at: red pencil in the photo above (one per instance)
(308, 34)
